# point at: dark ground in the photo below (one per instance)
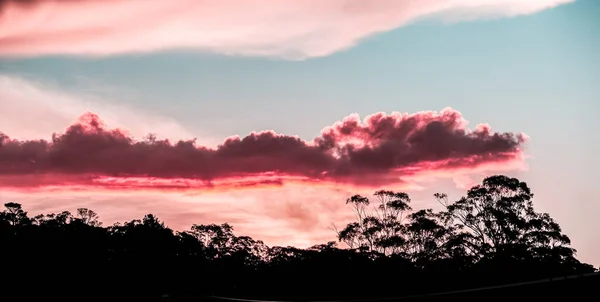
(571, 288)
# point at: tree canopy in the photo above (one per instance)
(491, 235)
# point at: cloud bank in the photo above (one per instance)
(290, 29)
(377, 151)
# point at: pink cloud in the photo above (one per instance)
(292, 29)
(378, 151)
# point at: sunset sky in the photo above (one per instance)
(268, 114)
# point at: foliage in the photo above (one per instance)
(491, 235)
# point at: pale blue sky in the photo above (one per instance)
(538, 74)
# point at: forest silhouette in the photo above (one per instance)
(491, 236)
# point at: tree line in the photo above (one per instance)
(492, 235)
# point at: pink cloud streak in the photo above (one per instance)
(291, 29)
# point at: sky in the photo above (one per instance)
(269, 114)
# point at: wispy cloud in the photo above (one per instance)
(290, 29)
(32, 109)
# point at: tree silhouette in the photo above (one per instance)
(492, 235)
(15, 215)
(380, 229)
(497, 220)
(88, 217)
